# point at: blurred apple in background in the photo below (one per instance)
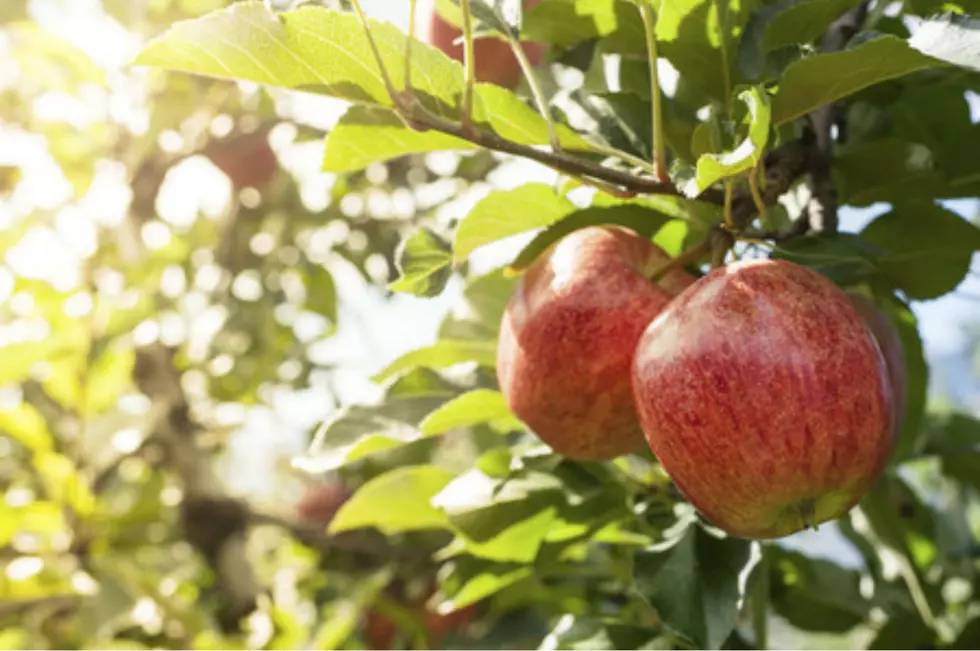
(495, 62)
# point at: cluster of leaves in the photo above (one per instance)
(582, 555)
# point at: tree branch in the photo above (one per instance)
(422, 120)
(822, 208)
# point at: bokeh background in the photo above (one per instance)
(138, 206)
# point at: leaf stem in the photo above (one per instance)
(469, 67)
(386, 78)
(536, 91)
(657, 132)
(729, 222)
(412, 6)
(760, 205)
(760, 600)
(690, 256)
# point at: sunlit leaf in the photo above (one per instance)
(696, 583)
(396, 501)
(477, 406)
(824, 78)
(424, 261)
(442, 354)
(509, 212)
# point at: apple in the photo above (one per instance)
(892, 350)
(568, 335)
(247, 159)
(321, 501)
(380, 630)
(494, 62)
(765, 397)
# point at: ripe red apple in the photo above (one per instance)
(494, 62)
(568, 336)
(892, 350)
(765, 397)
(320, 502)
(247, 159)
(380, 630)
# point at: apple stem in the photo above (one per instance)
(469, 67)
(760, 599)
(760, 205)
(691, 256)
(657, 133)
(808, 512)
(413, 4)
(396, 98)
(532, 81)
(727, 214)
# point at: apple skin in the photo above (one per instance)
(320, 502)
(380, 630)
(892, 350)
(568, 335)
(494, 62)
(247, 159)
(766, 398)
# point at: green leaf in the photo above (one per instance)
(969, 637)
(310, 48)
(321, 293)
(477, 316)
(358, 431)
(715, 167)
(369, 134)
(951, 38)
(27, 426)
(904, 528)
(635, 217)
(586, 633)
(956, 439)
(845, 258)
(63, 483)
(698, 37)
(786, 24)
(568, 22)
(424, 261)
(509, 212)
(912, 433)
(814, 594)
(442, 354)
(824, 78)
(474, 407)
(696, 584)
(108, 378)
(927, 248)
(518, 543)
(906, 632)
(482, 507)
(395, 502)
(886, 170)
(478, 579)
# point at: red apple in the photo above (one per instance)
(765, 397)
(380, 631)
(247, 159)
(494, 62)
(320, 502)
(568, 337)
(892, 350)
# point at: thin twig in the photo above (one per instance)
(536, 91)
(690, 256)
(469, 68)
(657, 124)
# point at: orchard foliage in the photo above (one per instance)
(758, 122)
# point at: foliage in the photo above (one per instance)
(167, 320)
